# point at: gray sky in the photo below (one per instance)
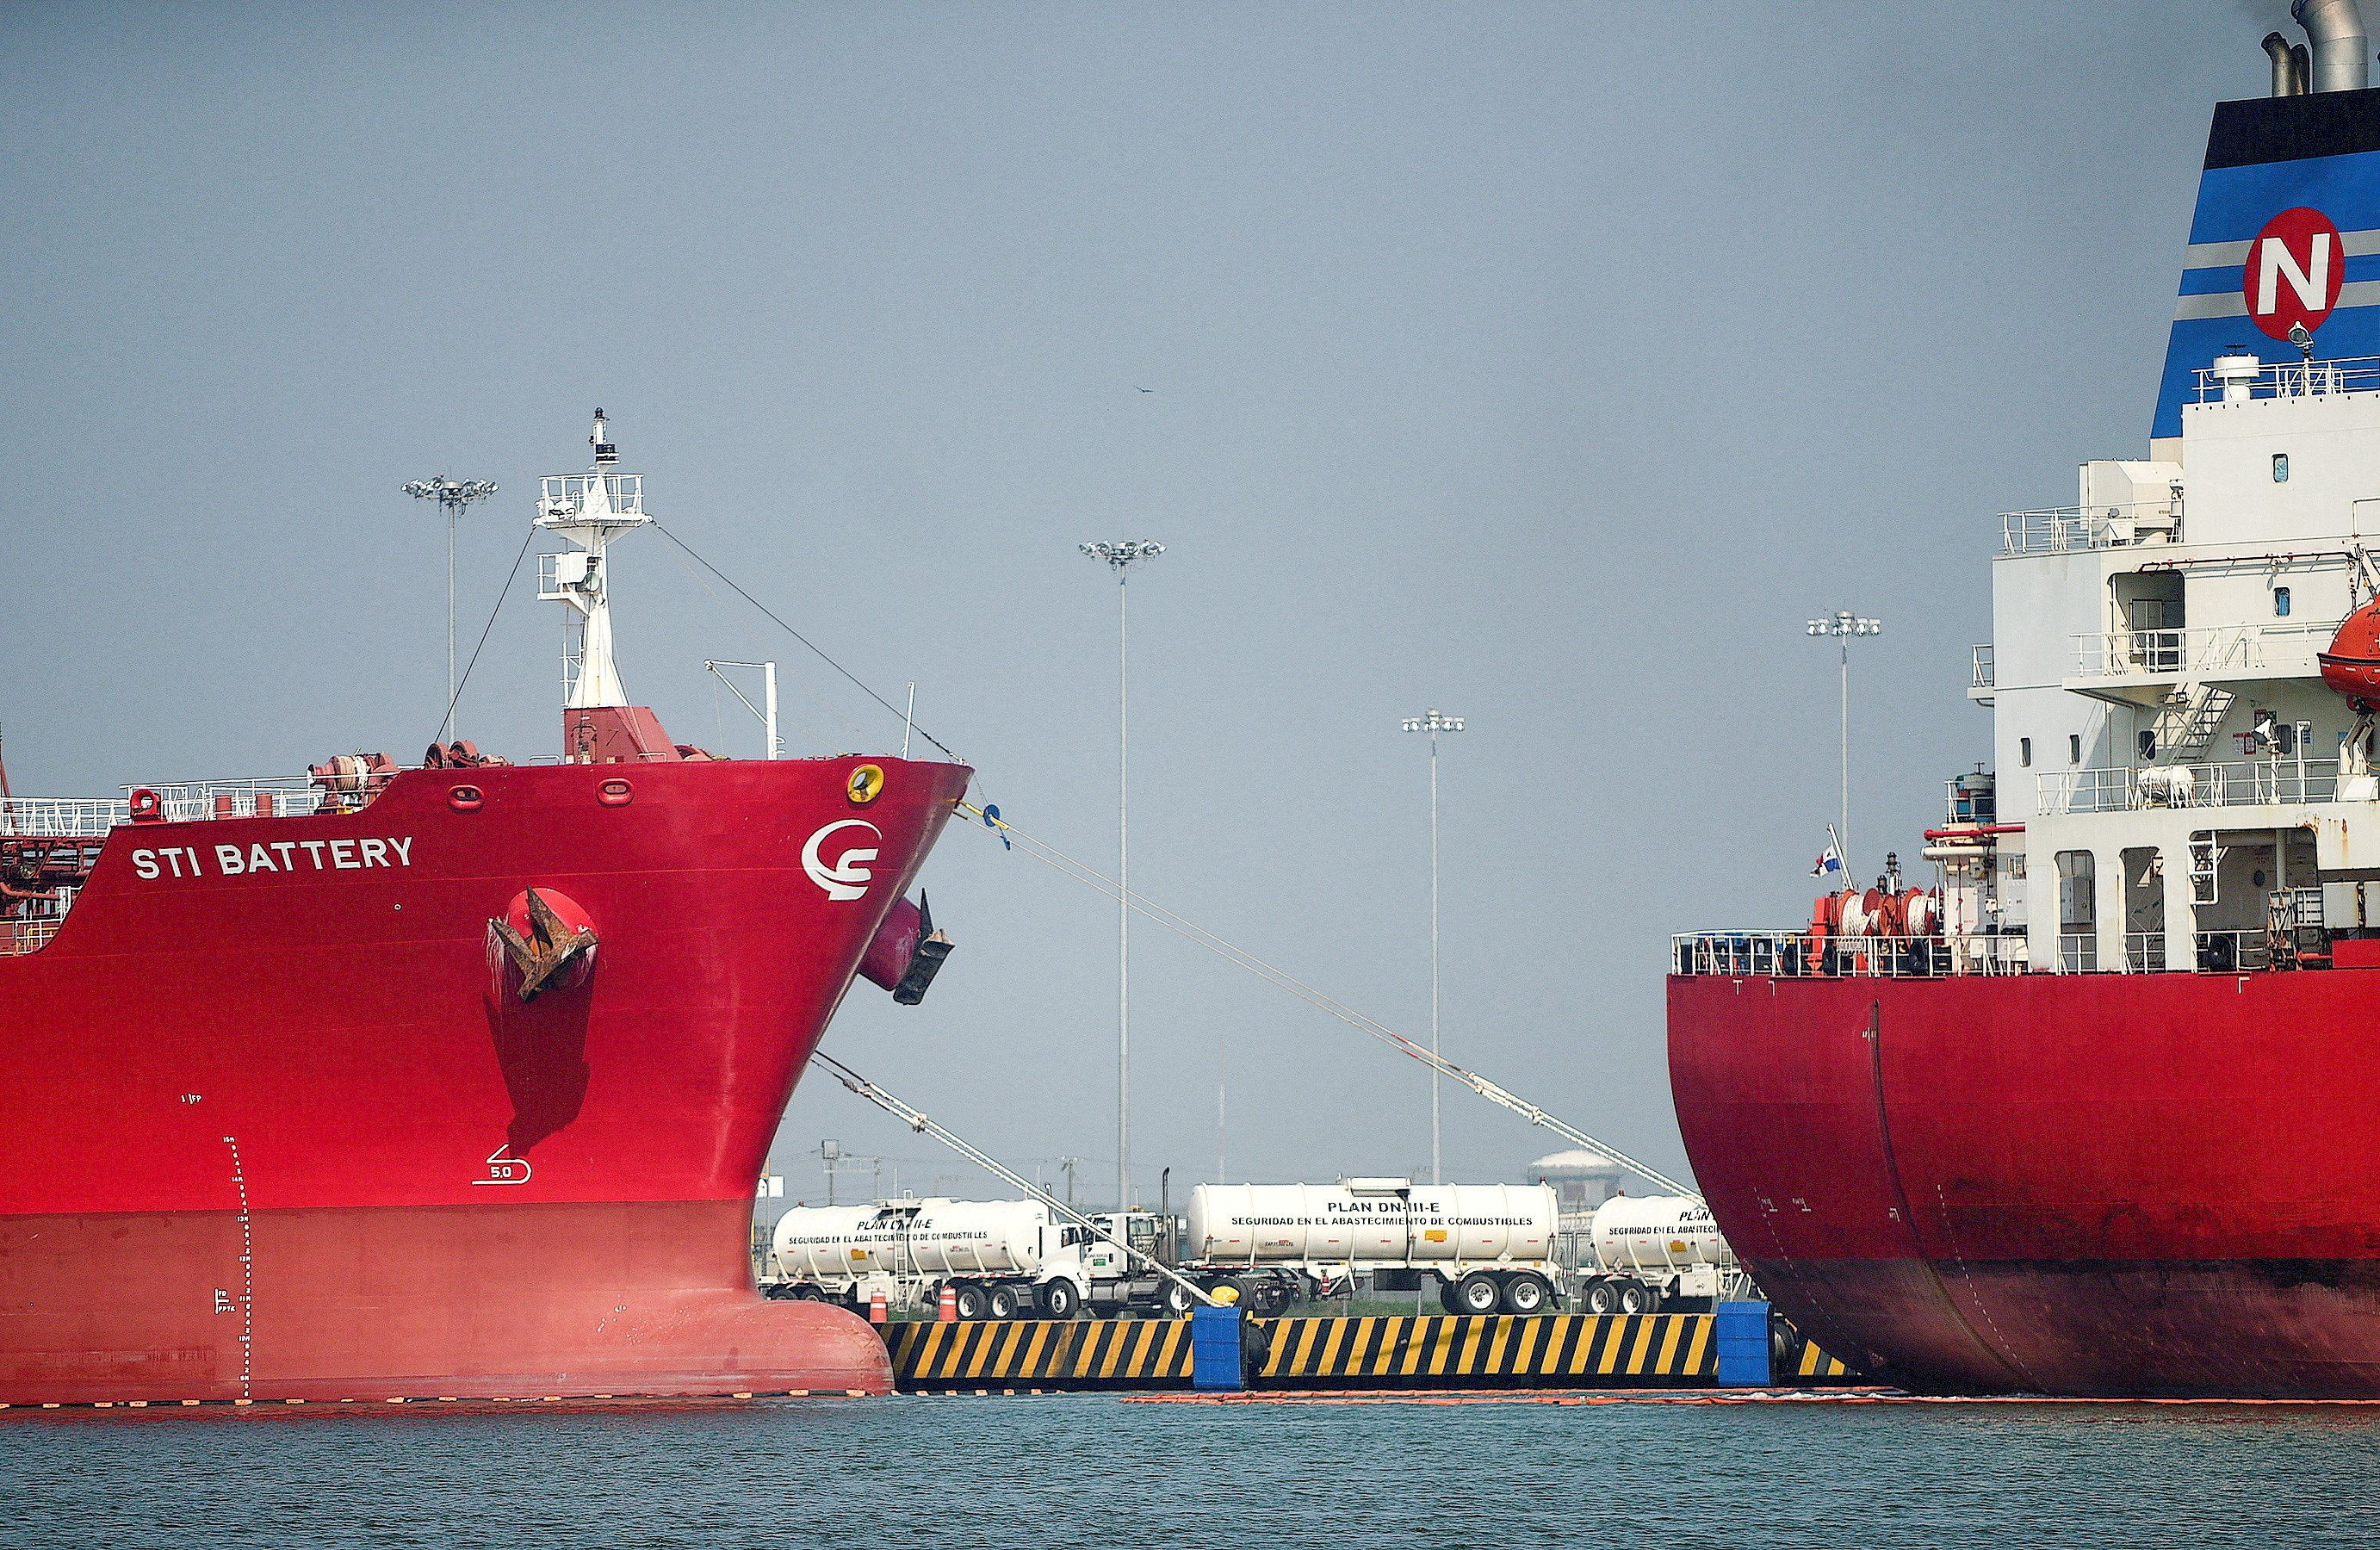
(1548, 364)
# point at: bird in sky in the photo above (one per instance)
(1143, 389)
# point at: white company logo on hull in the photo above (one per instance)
(848, 878)
(278, 855)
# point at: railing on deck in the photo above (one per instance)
(2297, 379)
(2213, 652)
(1792, 955)
(18, 937)
(2060, 530)
(2234, 784)
(276, 796)
(260, 797)
(61, 816)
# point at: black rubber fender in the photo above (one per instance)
(1255, 1344)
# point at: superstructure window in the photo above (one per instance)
(2280, 602)
(2280, 468)
(2024, 752)
(2074, 747)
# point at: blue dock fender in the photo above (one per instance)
(1741, 1336)
(1215, 1349)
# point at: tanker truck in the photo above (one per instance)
(1656, 1251)
(1000, 1257)
(1486, 1246)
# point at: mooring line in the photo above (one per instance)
(813, 646)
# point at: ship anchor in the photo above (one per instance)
(550, 946)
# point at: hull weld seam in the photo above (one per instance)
(1874, 1036)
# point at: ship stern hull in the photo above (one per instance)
(2139, 1185)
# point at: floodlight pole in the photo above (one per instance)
(453, 496)
(1120, 558)
(1433, 723)
(1845, 626)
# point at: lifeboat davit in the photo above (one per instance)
(2351, 666)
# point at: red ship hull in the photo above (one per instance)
(2084, 1184)
(285, 1133)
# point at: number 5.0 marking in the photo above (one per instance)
(505, 1169)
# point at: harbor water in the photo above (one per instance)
(1063, 1469)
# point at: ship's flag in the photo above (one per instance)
(1830, 860)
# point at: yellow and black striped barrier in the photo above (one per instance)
(1558, 1350)
(1812, 1366)
(1553, 1350)
(1041, 1353)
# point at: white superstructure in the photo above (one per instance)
(2176, 786)
(2191, 794)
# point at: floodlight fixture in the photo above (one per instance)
(454, 497)
(1122, 555)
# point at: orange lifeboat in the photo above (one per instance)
(2351, 666)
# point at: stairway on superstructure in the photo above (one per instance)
(2186, 723)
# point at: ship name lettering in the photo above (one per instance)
(232, 861)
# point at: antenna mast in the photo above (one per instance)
(590, 510)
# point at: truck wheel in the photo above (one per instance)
(1602, 1297)
(1477, 1293)
(1178, 1300)
(1527, 1294)
(1273, 1300)
(971, 1303)
(1633, 1298)
(1059, 1298)
(1446, 1298)
(1004, 1301)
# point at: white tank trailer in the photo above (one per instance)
(1486, 1246)
(1000, 1257)
(1656, 1252)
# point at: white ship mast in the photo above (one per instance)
(590, 510)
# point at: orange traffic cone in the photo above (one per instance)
(877, 1315)
(946, 1309)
